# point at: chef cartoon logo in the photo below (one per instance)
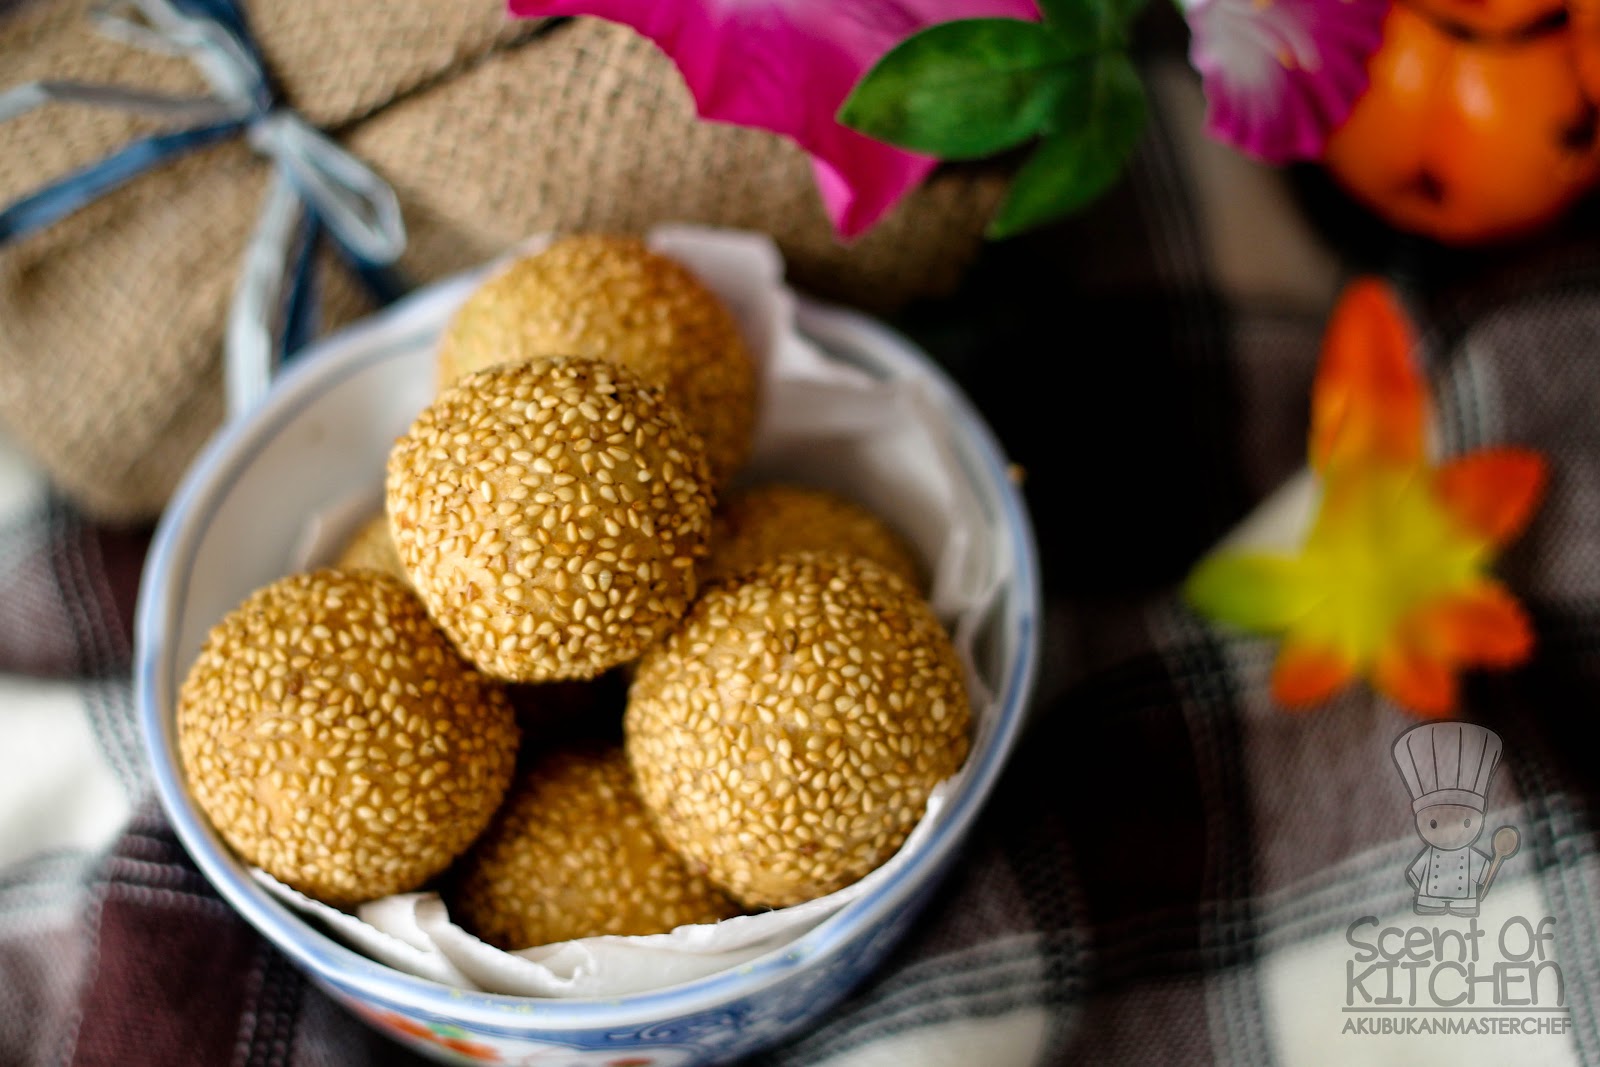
(1447, 767)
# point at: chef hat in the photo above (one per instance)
(1447, 763)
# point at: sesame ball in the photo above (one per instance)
(337, 741)
(787, 736)
(761, 524)
(612, 297)
(572, 854)
(372, 549)
(550, 515)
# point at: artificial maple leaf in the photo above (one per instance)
(787, 67)
(1392, 581)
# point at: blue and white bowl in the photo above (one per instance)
(322, 436)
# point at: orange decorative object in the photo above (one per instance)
(1392, 579)
(1480, 121)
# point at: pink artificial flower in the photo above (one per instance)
(787, 66)
(1280, 75)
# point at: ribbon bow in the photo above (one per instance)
(316, 184)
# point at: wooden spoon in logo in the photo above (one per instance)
(1505, 842)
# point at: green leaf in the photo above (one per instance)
(1089, 141)
(964, 89)
(1091, 25)
(1128, 10)
(1253, 591)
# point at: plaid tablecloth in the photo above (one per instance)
(1171, 868)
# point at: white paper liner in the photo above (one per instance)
(885, 443)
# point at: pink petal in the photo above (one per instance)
(787, 66)
(1280, 75)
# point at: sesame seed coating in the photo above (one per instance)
(572, 854)
(372, 549)
(550, 515)
(612, 297)
(760, 524)
(787, 736)
(337, 741)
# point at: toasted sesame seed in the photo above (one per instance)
(758, 525)
(461, 552)
(613, 298)
(573, 854)
(295, 804)
(788, 733)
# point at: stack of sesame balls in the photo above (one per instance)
(787, 699)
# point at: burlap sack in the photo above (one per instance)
(489, 129)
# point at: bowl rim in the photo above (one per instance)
(331, 962)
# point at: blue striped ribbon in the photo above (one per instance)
(214, 33)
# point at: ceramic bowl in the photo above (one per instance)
(323, 433)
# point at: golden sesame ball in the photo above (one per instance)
(787, 736)
(550, 515)
(572, 854)
(372, 549)
(336, 740)
(757, 525)
(614, 298)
